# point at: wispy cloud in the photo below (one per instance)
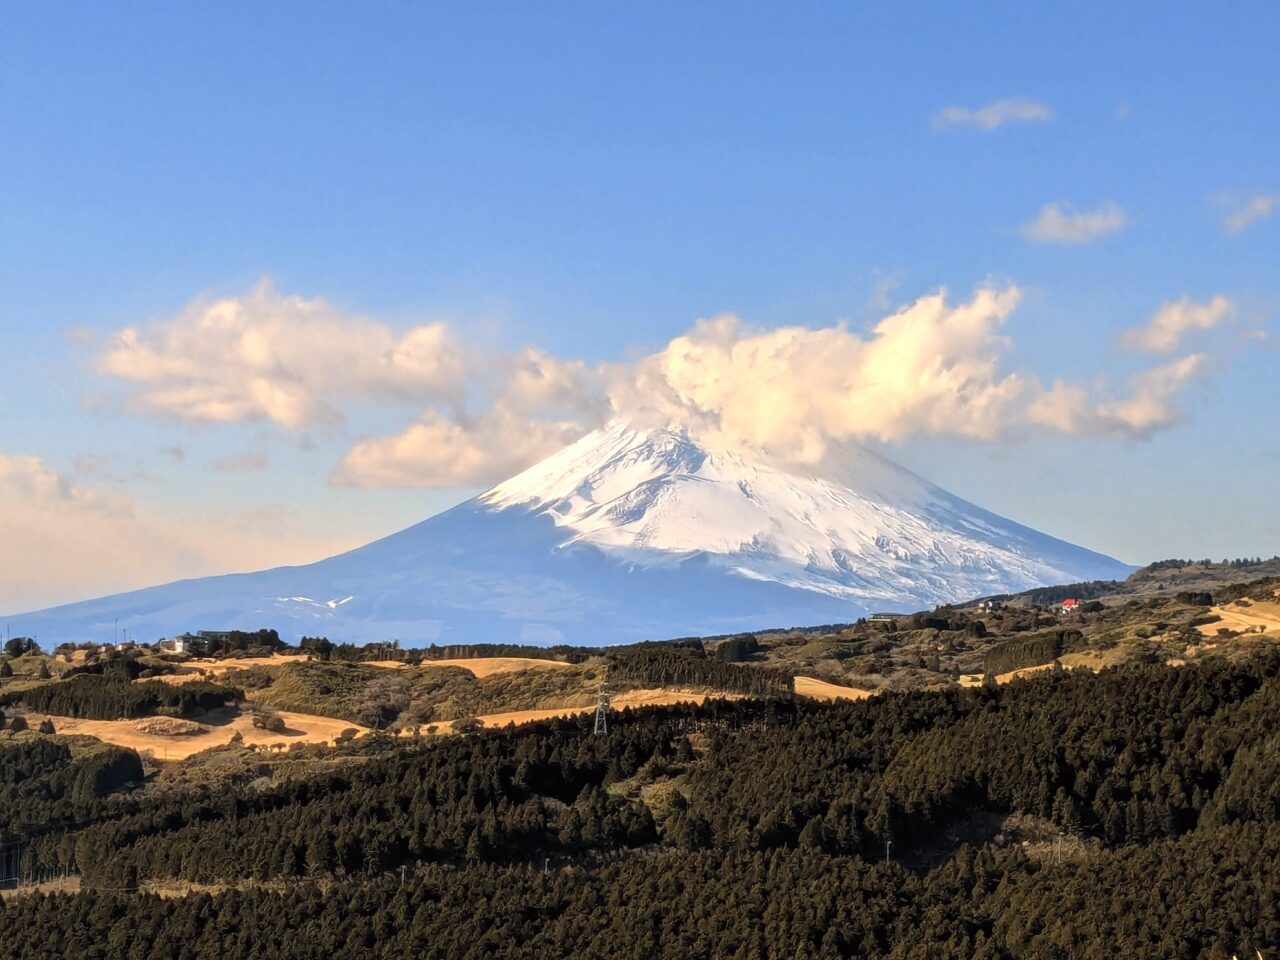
(1258, 207)
(1164, 331)
(1151, 404)
(241, 463)
(66, 538)
(1061, 223)
(111, 467)
(439, 452)
(993, 115)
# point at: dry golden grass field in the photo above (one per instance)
(1246, 617)
(631, 698)
(300, 728)
(487, 666)
(817, 689)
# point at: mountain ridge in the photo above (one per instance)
(630, 533)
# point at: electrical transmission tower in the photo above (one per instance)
(602, 709)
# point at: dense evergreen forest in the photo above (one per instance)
(1031, 650)
(42, 783)
(686, 664)
(1131, 813)
(113, 697)
(325, 649)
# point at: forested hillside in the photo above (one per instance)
(1133, 813)
(114, 697)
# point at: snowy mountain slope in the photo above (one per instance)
(627, 534)
(652, 498)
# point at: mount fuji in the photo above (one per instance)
(627, 534)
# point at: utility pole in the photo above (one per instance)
(887, 845)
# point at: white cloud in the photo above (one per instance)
(64, 541)
(1164, 331)
(1059, 222)
(439, 452)
(927, 368)
(537, 405)
(1150, 406)
(932, 367)
(1257, 207)
(27, 479)
(993, 115)
(879, 299)
(534, 381)
(300, 363)
(284, 359)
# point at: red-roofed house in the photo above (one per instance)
(1071, 605)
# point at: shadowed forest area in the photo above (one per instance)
(1134, 812)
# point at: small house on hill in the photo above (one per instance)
(1071, 605)
(181, 643)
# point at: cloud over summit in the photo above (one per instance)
(931, 368)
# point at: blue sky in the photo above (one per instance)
(591, 179)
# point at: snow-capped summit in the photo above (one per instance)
(629, 533)
(654, 498)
